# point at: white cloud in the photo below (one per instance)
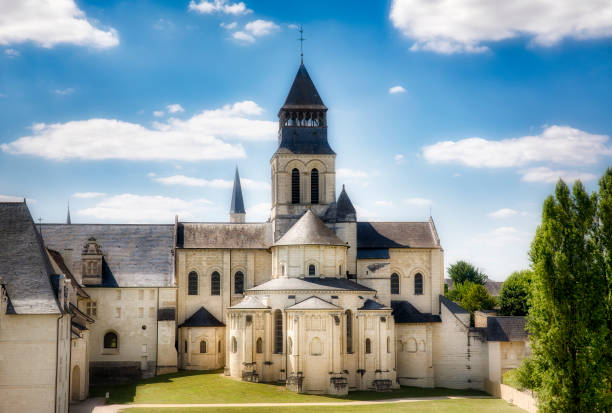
(557, 144)
(229, 26)
(351, 173)
(503, 213)
(10, 198)
(453, 26)
(399, 158)
(255, 29)
(418, 201)
(212, 183)
(48, 23)
(201, 137)
(366, 214)
(547, 175)
(501, 237)
(158, 113)
(64, 92)
(11, 53)
(88, 195)
(175, 108)
(131, 208)
(258, 212)
(383, 203)
(293, 26)
(219, 6)
(397, 89)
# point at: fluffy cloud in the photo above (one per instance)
(200, 137)
(10, 198)
(418, 201)
(557, 144)
(64, 92)
(158, 113)
(505, 213)
(131, 208)
(218, 6)
(351, 173)
(501, 237)
(397, 89)
(88, 195)
(229, 26)
(213, 183)
(258, 212)
(175, 108)
(11, 53)
(547, 175)
(254, 29)
(399, 158)
(48, 23)
(452, 26)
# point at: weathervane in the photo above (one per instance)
(301, 39)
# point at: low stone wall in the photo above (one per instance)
(518, 398)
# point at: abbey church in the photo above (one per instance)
(313, 298)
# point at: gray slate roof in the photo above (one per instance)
(345, 211)
(506, 328)
(309, 230)
(202, 318)
(313, 303)
(304, 140)
(404, 312)
(452, 306)
(224, 235)
(396, 235)
(250, 302)
(303, 92)
(237, 205)
(24, 264)
(134, 255)
(310, 283)
(370, 304)
(372, 253)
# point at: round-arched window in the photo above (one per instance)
(111, 340)
(312, 270)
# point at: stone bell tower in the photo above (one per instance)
(303, 167)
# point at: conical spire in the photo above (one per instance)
(345, 211)
(237, 212)
(303, 93)
(68, 215)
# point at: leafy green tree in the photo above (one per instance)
(514, 294)
(568, 315)
(605, 220)
(463, 271)
(477, 298)
(459, 291)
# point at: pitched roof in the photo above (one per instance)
(310, 283)
(372, 253)
(134, 255)
(506, 328)
(303, 93)
(224, 235)
(345, 211)
(452, 306)
(202, 318)
(250, 302)
(404, 312)
(237, 205)
(60, 267)
(24, 264)
(370, 304)
(313, 303)
(396, 235)
(309, 230)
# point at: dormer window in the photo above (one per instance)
(91, 258)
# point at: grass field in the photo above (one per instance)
(442, 406)
(213, 387)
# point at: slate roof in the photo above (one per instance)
(506, 328)
(313, 303)
(303, 92)
(452, 306)
(370, 304)
(250, 302)
(202, 318)
(224, 235)
(134, 255)
(404, 312)
(310, 283)
(345, 211)
(24, 264)
(396, 235)
(60, 267)
(309, 230)
(237, 205)
(372, 253)
(304, 140)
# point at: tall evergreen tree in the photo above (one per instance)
(605, 221)
(568, 316)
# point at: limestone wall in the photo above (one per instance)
(415, 354)
(79, 367)
(195, 356)
(295, 260)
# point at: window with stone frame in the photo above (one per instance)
(278, 332)
(192, 283)
(259, 346)
(92, 308)
(295, 186)
(215, 283)
(368, 346)
(203, 346)
(395, 284)
(418, 284)
(314, 186)
(349, 332)
(239, 283)
(312, 270)
(111, 340)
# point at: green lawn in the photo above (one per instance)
(213, 387)
(442, 406)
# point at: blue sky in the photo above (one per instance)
(134, 111)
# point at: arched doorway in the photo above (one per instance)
(76, 383)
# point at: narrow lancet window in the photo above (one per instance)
(418, 284)
(295, 186)
(314, 186)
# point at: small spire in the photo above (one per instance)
(237, 211)
(301, 39)
(68, 215)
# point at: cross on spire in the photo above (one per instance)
(301, 39)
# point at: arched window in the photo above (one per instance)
(192, 283)
(349, 332)
(312, 270)
(418, 284)
(388, 344)
(202, 346)
(215, 283)
(239, 283)
(295, 186)
(259, 346)
(314, 186)
(368, 346)
(278, 332)
(395, 286)
(111, 340)
(283, 270)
